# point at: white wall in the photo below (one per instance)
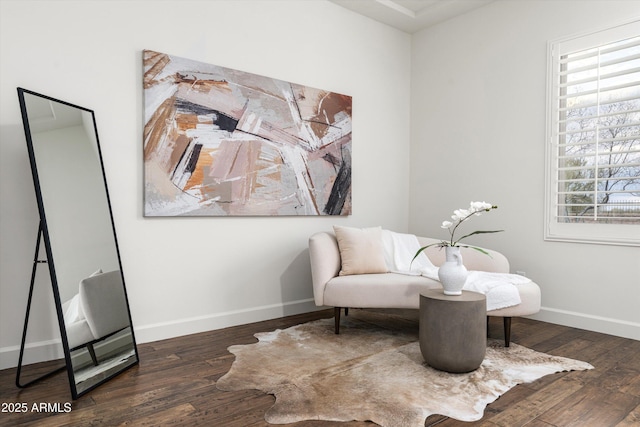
(186, 275)
(478, 133)
(73, 195)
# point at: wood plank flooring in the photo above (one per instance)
(174, 385)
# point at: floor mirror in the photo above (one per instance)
(79, 237)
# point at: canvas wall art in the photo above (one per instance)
(222, 142)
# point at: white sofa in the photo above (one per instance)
(96, 312)
(392, 290)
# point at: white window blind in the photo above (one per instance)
(593, 148)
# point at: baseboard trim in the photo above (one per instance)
(605, 325)
(40, 351)
(51, 350)
(194, 325)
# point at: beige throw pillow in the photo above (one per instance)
(361, 250)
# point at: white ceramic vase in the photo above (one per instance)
(452, 273)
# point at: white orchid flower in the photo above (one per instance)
(480, 206)
(461, 214)
(458, 217)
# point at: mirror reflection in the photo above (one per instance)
(80, 232)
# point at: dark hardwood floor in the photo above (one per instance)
(175, 385)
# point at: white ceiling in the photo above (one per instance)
(411, 15)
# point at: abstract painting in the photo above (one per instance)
(223, 142)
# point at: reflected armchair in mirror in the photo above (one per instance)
(96, 312)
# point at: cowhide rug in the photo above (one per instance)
(374, 371)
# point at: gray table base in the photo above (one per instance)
(453, 330)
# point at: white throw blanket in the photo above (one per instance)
(499, 288)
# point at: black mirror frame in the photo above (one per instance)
(43, 234)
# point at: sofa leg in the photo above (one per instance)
(507, 331)
(336, 315)
(92, 353)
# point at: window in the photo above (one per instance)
(593, 138)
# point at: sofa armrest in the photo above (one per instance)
(495, 262)
(104, 304)
(325, 262)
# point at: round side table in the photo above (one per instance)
(453, 330)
